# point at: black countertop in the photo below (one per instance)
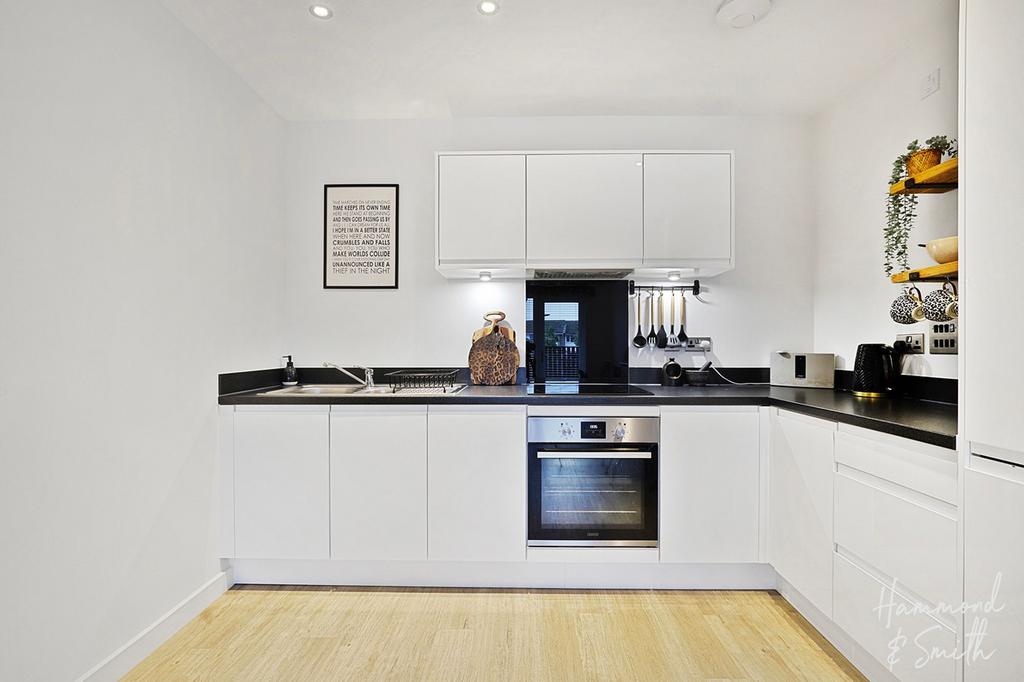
(920, 420)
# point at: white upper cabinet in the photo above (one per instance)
(584, 209)
(688, 210)
(481, 210)
(649, 213)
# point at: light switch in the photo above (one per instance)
(930, 84)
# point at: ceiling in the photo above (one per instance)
(442, 58)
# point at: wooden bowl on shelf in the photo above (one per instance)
(945, 250)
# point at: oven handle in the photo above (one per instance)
(592, 454)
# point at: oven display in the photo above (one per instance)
(593, 430)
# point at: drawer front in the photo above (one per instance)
(924, 468)
(912, 644)
(897, 536)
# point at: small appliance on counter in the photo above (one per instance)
(672, 373)
(804, 370)
(876, 370)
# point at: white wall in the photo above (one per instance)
(141, 205)
(855, 142)
(765, 304)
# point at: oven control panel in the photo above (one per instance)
(591, 430)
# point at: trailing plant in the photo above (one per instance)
(901, 209)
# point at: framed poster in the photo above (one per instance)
(360, 236)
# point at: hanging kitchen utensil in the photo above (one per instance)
(673, 340)
(652, 336)
(639, 341)
(493, 358)
(683, 338)
(662, 334)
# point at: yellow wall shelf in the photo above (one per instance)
(936, 180)
(934, 273)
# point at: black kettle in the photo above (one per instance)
(877, 369)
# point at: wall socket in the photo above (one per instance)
(930, 84)
(698, 344)
(915, 343)
(944, 337)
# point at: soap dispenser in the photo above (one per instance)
(291, 375)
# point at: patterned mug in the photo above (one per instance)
(908, 308)
(942, 305)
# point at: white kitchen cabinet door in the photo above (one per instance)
(476, 491)
(585, 209)
(709, 484)
(800, 504)
(901, 636)
(282, 495)
(481, 209)
(992, 240)
(379, 482)
(687, 209)
(993, 571)
(900, 534)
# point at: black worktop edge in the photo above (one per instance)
(943, 440)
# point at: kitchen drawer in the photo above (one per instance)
(907, 640)
(903, 535)
(925, 468)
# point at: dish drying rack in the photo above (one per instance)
(438, 380)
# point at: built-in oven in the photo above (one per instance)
(593, 482)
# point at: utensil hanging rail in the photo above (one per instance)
(692, 288)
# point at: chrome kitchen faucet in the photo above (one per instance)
(368, 382)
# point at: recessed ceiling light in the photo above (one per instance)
(321, 11)
(742, 13)
(487, 7)
(674, 276)
(485, 276)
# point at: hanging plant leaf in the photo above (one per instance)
(901, 209)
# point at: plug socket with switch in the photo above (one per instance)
(913, 343)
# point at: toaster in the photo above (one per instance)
(808, 370)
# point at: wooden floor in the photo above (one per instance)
(269, 633)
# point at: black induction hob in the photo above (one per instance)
(586, 389)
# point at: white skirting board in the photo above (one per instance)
(529, 574)
(854, 653)
(117, 664)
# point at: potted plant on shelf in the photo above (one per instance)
(901, 209)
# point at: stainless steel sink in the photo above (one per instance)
(321, 389)
(355, 389)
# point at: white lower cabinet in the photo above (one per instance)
(896, 511)
(379, 482)
(476, 483)
(709, 484)
(993, 571)
(281, 493)
(890, 627)
(800, 504)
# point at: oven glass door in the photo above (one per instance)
(583, 494)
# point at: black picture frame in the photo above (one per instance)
(327, 189)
